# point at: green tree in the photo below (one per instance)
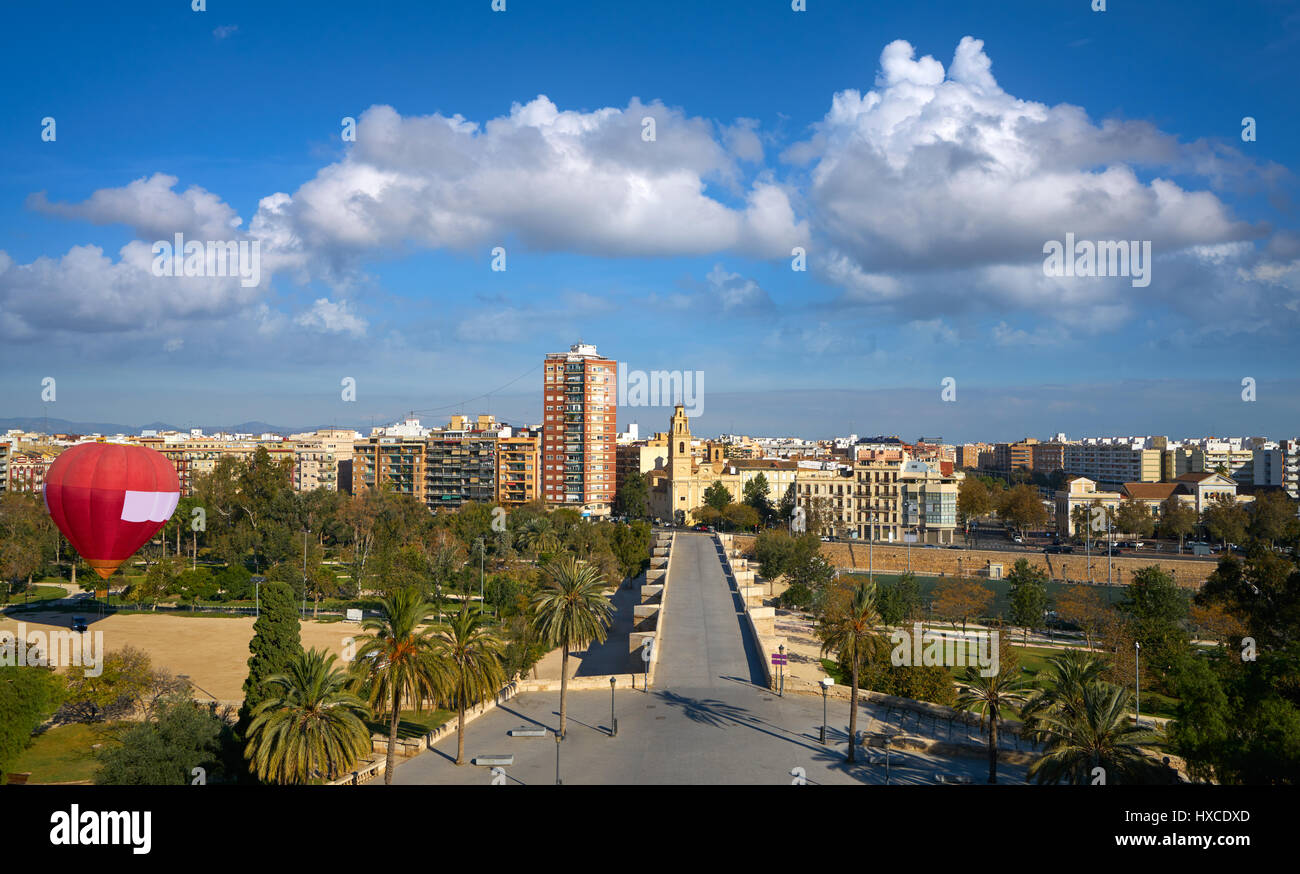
(397, 661)
(848, 628)
(125, 678)
(1027, 595)
(1224, 520)
(789, 501)
(29, 695)
(1263, 591)
(23, 528)
(717, 496)
(1022, 508)
(1238, 722)
(310, 727)
(633, 497)
(772, 551)
(1270, 515)
(742, 517)
(1061, 686)
(959, 599)
(1134, 517)
(471, 652)
(1095, 734)
(177, 737)
(989, 696)
(757, 494)
(276, 642)
(974, 500)
(1177, 519)
(571, 611)
(1158, 611)
(900, 601)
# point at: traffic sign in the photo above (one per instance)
(778, 659)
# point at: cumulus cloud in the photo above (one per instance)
(944, 169)
(151, 209)
(554, 179)
(331, 317)
(735, 292)
(85, 291)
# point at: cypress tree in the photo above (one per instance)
(276, 640)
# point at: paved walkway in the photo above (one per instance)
(707, 721)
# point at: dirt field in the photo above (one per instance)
(212, 651)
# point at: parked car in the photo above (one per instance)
(79, 623)
(1018, 539)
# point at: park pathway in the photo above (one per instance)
(706, 642)
(708, 718)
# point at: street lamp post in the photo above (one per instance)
(1109, 536)
(479, 544)
(827, 682)
(780, 685)
(613, 722)
(558, 739)
(1137, 677)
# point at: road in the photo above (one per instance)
(708, 720)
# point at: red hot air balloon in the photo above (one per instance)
(108, 499)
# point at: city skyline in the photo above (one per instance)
(886, 155)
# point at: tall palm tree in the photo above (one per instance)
(310, 728)
(397, 661)
(849, 629)
(1062, 686)
(1096, 734)
(571, 612)
(471, 651)
(988, 697)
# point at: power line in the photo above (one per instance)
(487, 394)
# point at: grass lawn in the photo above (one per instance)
(410, 723)
(37, 593)
(64, 754)
(1033, 660)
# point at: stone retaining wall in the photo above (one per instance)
(975, 562)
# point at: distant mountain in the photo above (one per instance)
(63, 426)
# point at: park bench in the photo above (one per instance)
(528, 731)
(494, 760)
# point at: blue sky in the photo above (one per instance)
(921, 154)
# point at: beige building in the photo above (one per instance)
(1080, 491)
(1114, 462)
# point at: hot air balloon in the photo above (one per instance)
(108, 499)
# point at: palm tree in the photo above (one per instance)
(988, 697)
(397, 661)
(850, 630)
(571, 612)
(539, 535)
(1097, 734)
(1064, 682)
(310, 728)
(472, 652)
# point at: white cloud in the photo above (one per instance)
(556, 180)
(329, 317)
(936, 170)
(85, 291)
(151, 209)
